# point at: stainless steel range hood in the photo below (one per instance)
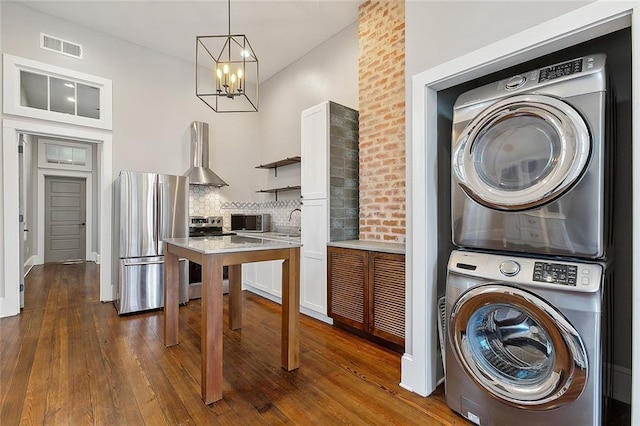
(200, 173)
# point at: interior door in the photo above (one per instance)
(517, 347)
(65, 219)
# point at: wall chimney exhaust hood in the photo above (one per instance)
(200, 173)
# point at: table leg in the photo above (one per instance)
(235, 297)
(171, 302)
(211, 329)
(290, 345)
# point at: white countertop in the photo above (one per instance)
(231, 243)
(384, 247)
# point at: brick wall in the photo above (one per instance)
(382, 120)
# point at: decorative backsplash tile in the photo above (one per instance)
(207, 201)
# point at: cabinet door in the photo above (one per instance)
(313, 256)
(387, 296)
(314, 166)
(348, 281)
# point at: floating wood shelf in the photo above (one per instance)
(280, 163)
(276, 190)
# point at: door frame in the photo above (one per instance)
(11, 128)
(419, 369)
(42, 174)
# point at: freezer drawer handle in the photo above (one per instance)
(155, 262)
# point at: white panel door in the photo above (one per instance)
(314, 166)
(313, 262)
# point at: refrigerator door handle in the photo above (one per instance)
(159, 215)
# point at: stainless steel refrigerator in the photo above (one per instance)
(148, 208)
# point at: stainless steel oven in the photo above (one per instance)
(201, 226)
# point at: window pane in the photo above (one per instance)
(88, 101)
(63, 96)
(66, 155)
(79, 156)
(33, 90)
(52, 154)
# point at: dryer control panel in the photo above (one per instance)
(560, 70)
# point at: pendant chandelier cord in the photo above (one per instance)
(229, 16)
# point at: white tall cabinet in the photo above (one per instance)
(329, 180)
(315, 227)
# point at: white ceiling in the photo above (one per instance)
(280, 31)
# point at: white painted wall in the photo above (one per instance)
(154, 102)
(153, 98)
(329, 72)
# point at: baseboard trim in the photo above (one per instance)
(278, 300)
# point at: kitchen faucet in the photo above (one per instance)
(291, 214)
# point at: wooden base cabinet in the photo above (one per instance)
(367, 293)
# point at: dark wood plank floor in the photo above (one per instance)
(69, 359)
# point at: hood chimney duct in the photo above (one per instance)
(200, 173)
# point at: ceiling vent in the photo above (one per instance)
(58, 45)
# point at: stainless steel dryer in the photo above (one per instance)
(528, 163)
(524, 340)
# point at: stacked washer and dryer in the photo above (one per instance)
(531, 217)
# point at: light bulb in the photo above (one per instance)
(239, 72)
(226, 68)
(219, 73)
(233, 78)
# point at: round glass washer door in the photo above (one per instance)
(522, 152)
(517, 347)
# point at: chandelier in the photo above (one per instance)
(227, 72)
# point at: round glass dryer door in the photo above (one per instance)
(517, 347)
(522, 152)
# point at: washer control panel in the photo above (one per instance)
(536, 272)
(555, 273)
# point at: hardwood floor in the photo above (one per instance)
(69, 359)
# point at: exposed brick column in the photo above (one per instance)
(382, 120)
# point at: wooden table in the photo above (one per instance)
(213, 253)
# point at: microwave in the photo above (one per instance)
(251, 222)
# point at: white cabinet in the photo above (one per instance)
(264, 278)
(313, 256)
(314, 166)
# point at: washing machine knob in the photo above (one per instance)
(515, 82)
(509, 268)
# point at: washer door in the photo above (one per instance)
(517, 347)
(522, 152)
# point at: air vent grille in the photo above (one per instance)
(58, 45)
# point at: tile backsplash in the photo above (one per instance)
(207, 201)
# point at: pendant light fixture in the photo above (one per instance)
(227, 72)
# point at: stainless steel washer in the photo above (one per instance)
(525, 339)
(529, 171)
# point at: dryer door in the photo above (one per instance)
(522, 152)
(517, 347)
